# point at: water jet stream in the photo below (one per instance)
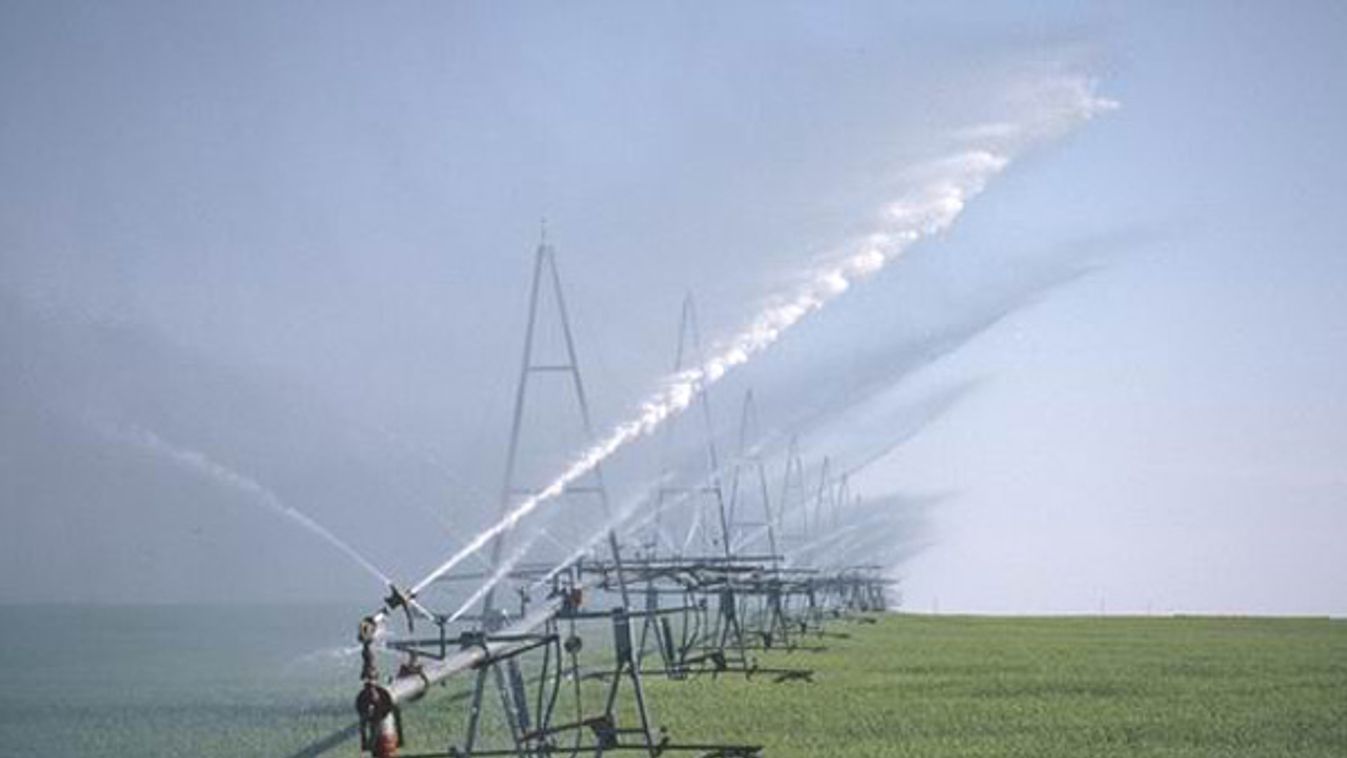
(202, 464)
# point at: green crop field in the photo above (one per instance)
(970, 686)
(206, 682)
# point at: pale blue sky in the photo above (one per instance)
(338, 202)
(1179, 415)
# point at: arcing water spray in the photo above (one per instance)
(929, 209)
(218, 472)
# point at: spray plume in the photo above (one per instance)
(499, 575)
(616, 522)
(202, 464)
(931, 207)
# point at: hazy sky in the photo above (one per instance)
(294, 240)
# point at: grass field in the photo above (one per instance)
(222, 682)
(969, 686)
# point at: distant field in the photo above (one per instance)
(1070, 687)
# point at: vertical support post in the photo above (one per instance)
(841, 497)
(792, 481)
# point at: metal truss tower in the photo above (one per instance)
(750, 473)
(547, 280)
(689, 354)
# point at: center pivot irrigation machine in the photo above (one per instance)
(550, 655)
